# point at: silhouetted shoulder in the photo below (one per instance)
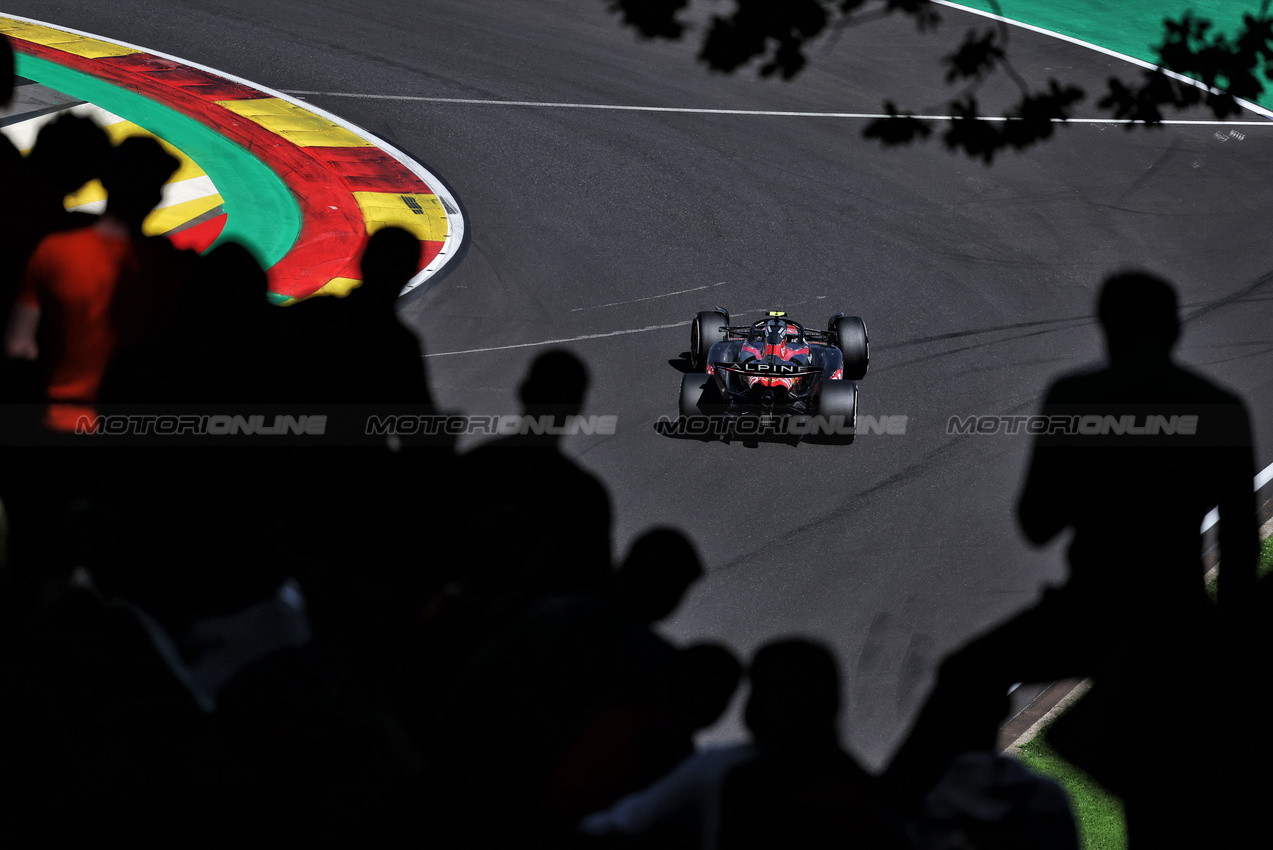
(1163, 381)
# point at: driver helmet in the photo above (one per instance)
(775, 332)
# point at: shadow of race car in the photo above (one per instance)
(774, 367)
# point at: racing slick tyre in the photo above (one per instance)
(855, 345)
(704, 333)
(699, 395)
(839, 398)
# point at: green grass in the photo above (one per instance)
(1266, 558)
(1098, 812)
(1263, 568)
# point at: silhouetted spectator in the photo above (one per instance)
(1135, 503)
(355, 349)
(370, 570)
(539, 508)
(463, 615)
(35, 484)
(802, 789)
(986, 800)
(507, 717)
(629, 743)
(69, 151)
(658, 571)
(216, 348)
(382, 361)
(681, 811)
(91, 292)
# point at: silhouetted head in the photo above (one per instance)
(134, 177)
(1139, 314)
(6, 72)
(659, 569)
(234, 281)
(795, 693)
(69, 151)
(703, 680)
(391, 259)
(555, 385)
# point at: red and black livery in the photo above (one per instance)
(774, 367)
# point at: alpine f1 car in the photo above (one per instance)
(774, 367)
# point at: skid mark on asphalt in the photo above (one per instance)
(560, 341)
(648, 297)
(914, 673)
(582, 337)
(773, 113)
(1013, 338)
(960, 334)
(876, 640)
(1152, 171)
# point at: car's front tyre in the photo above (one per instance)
(854, 344)
(705, 331)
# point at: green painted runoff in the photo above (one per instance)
(1131, 27)
(261, 212)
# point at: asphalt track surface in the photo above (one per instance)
(977, 283)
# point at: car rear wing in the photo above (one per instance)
(756, 368)
(810, 335)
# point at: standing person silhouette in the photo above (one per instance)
(540, 509)
(1135, 502)
(91, 292)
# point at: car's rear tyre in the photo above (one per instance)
(704, 333)
(699, 395)
(839, 398)
(855, 345)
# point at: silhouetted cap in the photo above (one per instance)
(659, 569)
(556, 378)
(70, 151)
(1139, 309)
(795, 690)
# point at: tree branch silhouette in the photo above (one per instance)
(773, 36)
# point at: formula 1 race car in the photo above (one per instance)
(774, 367)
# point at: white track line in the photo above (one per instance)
(648, 298)
(558, 341)
(23, 133)
(1263, 478)
(1246, 104)
(618, 107)
(455, 220)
